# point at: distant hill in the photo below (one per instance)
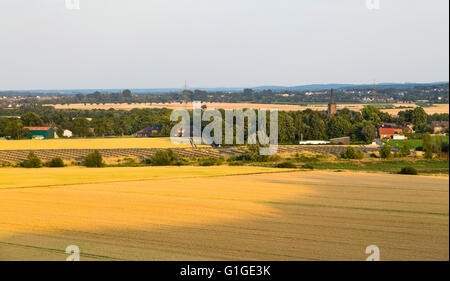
(319, 87)
(311, 87)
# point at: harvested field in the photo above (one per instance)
(20, 178)
(438, 108)
(90, 143)
(281, 216)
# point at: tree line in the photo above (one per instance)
(432, 94)
(293, 125)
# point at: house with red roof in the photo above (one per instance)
(390, 133)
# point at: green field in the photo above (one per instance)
(412, 143)
(387, 166)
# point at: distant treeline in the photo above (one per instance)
(293, 125)
(432, 94)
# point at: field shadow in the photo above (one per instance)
(330, 223)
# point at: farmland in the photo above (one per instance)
(90, 143)
(232, 213)
(413, 143)
(437, 108)
(434, 166)
(79, 175)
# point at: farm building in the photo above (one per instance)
(389, 133)
(40, 132)
(439, 126)
(314, 142)
(149, 131)
(407, 128)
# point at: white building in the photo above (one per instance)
(67, 134)
(399, 137)
(314, 142)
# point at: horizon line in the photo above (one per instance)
(226, 87)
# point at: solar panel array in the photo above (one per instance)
(13, 156)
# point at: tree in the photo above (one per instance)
(123, 125)
(4, 122)
(33, 161)
(372, 113)
(437, 147)
(286, 128)
(94, 160)
(427, 146)
(126, 94)
(317, 128)
(103, 126)
(81, 127)
(385, 151)
(368, 131)
(338, 127)
(31, 119)
(419, 117)
(15, 129)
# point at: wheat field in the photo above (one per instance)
(437, 108)
(91, 143)
(223, 215)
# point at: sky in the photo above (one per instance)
(220, 43)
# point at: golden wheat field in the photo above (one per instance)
(90, 143)
(437, 108)
(223, 215)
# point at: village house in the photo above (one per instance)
(407, 128)
(149, 131)
(439, 126)
(391, 133)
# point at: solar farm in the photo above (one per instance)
(76, 149)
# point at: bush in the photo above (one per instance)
(94, 160)
(308, 166)
(385, 151)
(275, 158)
(254, 155)
(308, 158)
(408, 171)
(359, 154)
(210, 161)
(163, 158)
(181, 162)
(286, 164)
(128, 162)
(33, 161)
(237, 163)
(55, 162)
(352, 153)
(241, 157)
(405, 151)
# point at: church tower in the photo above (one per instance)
(332, 109)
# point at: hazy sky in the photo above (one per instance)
(209, 43)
